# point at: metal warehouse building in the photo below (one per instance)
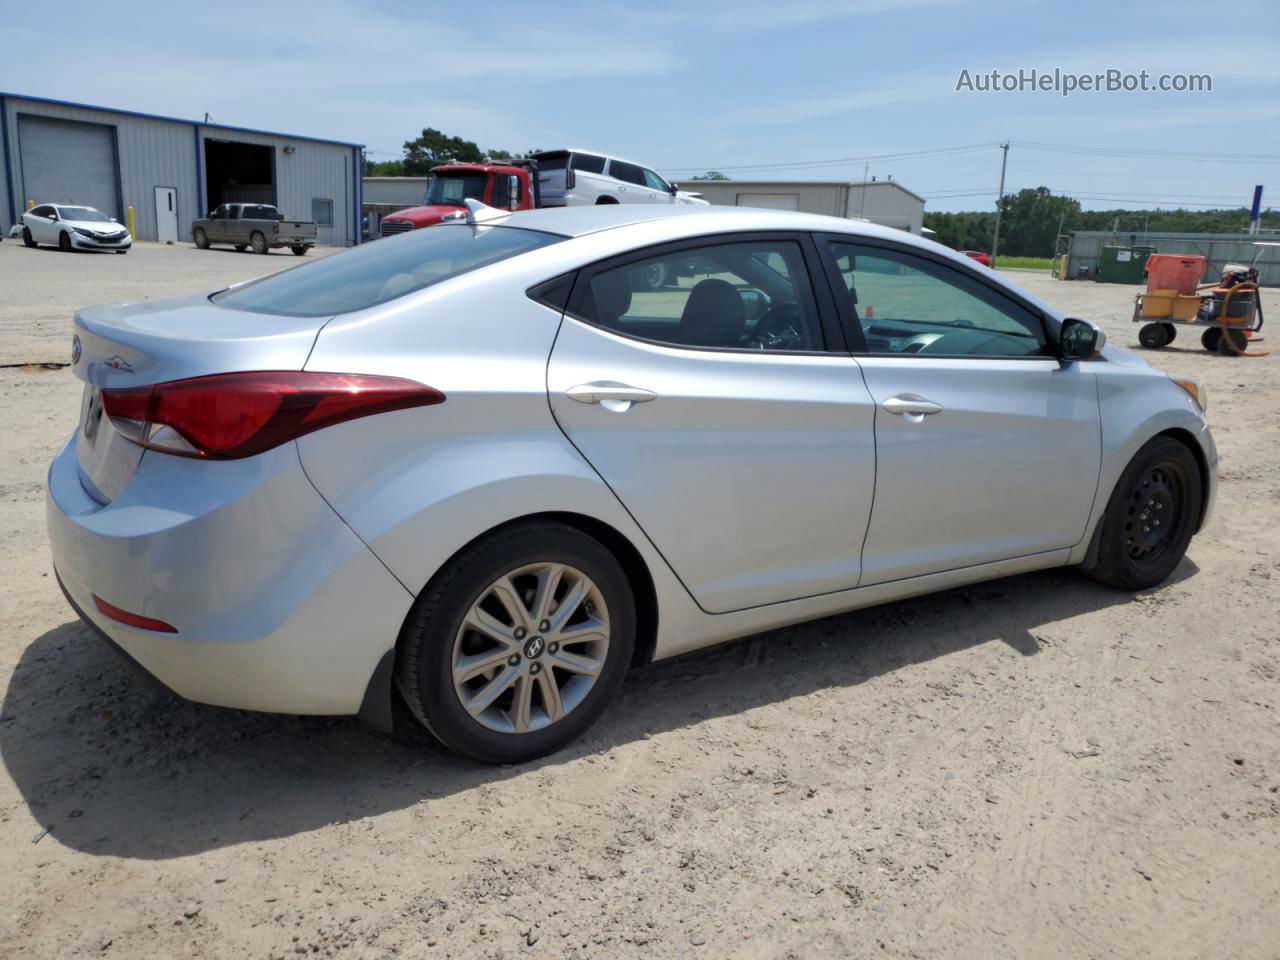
(880, 201)
(170, 171)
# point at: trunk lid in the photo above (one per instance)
(135, 344)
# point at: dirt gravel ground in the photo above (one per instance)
(1034, 767)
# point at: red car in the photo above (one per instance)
(980, 256)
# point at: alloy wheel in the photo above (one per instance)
(530, 647)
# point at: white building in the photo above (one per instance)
(885, 202)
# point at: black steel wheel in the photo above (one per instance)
(1211, 339)
(1232, 343)
(1153, 336)
(1151, 516)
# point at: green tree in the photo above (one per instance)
(710, 175)
(433, 148)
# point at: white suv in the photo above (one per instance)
(573, 178)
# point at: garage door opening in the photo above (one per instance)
(238, 173)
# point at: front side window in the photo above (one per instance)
(748, 295)
(322, 212)
(905, 304)
(654, 182)
(374, 273)
(451, 189)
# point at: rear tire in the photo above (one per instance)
(241, 247)
(201, 239)
(27, 239)
(64, 242)
(434, 646)
(258, 242)
(1150, 518)
(299, 250)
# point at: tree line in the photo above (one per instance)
(1030, 220)
(432, 148)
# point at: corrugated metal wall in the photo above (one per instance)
(158, 152)
(312, 171)
(152, 153)
(885, 202)
(1218, 248)
(401, 191)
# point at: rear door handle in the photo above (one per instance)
(610, 394)
(909, 403)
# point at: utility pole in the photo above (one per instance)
(995, 240)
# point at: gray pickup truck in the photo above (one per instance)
(258, 226)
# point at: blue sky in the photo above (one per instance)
(690, 86)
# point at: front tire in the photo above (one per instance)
(27, 239)
(64, 242)
(1150, 518)
(201, 239)
(258, 242)
(519, 643)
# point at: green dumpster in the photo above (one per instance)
(1123, 264)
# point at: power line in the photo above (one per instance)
(840, 160)
(1188, 155)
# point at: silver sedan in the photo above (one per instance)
(489, 466)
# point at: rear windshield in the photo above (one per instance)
(381, 271)
(552, 161)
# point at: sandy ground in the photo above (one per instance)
(1036, 766)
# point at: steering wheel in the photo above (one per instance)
(779, 328)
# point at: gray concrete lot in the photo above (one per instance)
(1034, 767)
(41, 288)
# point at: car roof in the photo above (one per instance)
(688, 219)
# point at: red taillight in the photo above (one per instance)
(131, 619)
(231, 415)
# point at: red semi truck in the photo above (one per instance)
(506, 186)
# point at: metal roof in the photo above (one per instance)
(157, 116)
(698, 184)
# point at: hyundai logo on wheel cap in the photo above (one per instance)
(534, 647)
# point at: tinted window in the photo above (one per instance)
(552, 161)
(907, 304)
(626, 172)
(500, 195)
(654, 182)
(368, 275)
(725, 296)
(322, 212)
(41, 211)
(588, 163)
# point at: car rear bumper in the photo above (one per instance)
(278, 606)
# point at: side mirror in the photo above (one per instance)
(673, 188)
(53, 216)
(1079, 340)
(513, 191)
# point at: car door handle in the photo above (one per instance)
(610, 394)
(912, 404)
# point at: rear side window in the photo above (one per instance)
(626, 172)
(588, 163)
(378, 272)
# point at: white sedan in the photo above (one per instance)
(73, 228)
